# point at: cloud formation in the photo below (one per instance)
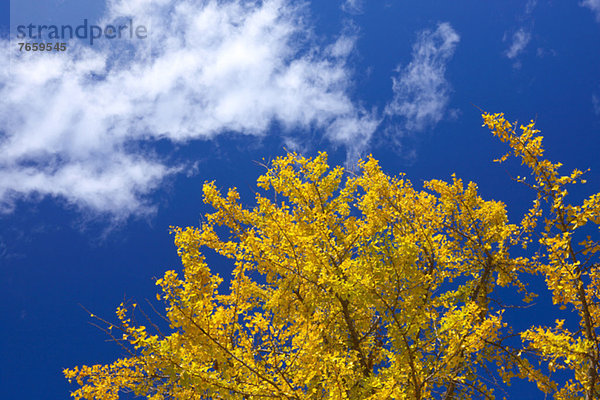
(593, 5)
(520, 38)
(530, 6)
(353, 6)
(421, 92)
(519, 41)
(71, 123)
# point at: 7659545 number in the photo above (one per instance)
(42, 46)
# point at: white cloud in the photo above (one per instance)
(70, 122)
(593, 5)
(353, 6)
(421, 92)
(520, 40)
(530, 6)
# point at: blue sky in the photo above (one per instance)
(102, 147)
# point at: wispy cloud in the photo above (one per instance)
(421, 92)
(596, 104)
(519, 41)
(520, 38)
(72, 124)
(593, 5)
(530, 6)
(353, 6)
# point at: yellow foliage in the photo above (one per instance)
(369, 289)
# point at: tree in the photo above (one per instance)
(360, 286)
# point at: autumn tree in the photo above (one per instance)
(569, 265)
(360, 286)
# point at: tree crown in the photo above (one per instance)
(361, 286)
